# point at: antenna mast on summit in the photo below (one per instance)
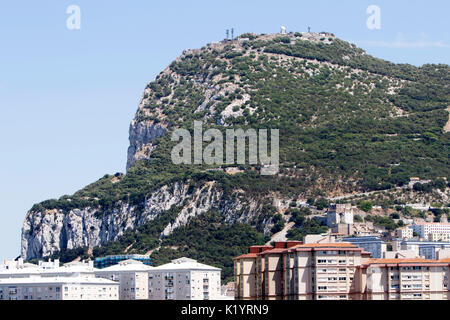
(228, 34)
(232, 33)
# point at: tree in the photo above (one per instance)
(366, 206)
(321, 203)
(395, 216)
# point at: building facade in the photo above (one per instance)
(336, 271)
(184, 279)
(132, 277)
(432, 231)
(404, 233)
(371, 244)
(339, 214)
(406, 279)
(59, 288)
(425, 249)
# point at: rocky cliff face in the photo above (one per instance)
(141, 136)
(50, 231)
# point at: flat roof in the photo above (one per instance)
(57, 280)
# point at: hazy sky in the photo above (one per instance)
(67, 96)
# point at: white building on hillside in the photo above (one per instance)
(132, 276)
(184, 279)
(432, 231)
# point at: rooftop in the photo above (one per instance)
(56, 280)
(127, 265)
(185, 264)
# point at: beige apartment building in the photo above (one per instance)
(405, 232)
(406, 279)
(260, 272)
(335, 271)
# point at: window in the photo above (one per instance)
(332, 279)
(332, 261)
(394, 286)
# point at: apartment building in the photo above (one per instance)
(406, 279)
(372, 244)
(336, 271)
(47, 269)
(184, 279)
(58, 288)
(249, 268)
(425, 249)
(299, 272)
(432, 231)
(404, 233)
(323, 272)
(20, 264)
(132, 277)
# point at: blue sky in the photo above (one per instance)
(67, 96)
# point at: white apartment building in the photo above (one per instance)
(58, 288)
(20, 264)
(184, 279)
(132, 277)
(430, 231)
(46, 269)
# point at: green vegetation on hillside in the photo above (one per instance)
(348, 122)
